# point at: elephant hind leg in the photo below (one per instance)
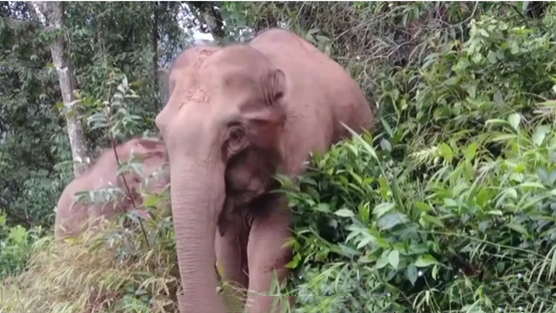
(231, 263)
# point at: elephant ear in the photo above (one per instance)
(266, 124)
(146, 148)
(149, 144)
(274, 87)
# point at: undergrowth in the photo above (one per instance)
(110, 270)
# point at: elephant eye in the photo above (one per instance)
(236, 140)
(236, 136)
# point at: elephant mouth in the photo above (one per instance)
(233, 214)
(241, 208)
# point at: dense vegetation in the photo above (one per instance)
(448, 205)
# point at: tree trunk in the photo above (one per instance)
(53, 11)
(154, 48)
(162, 79)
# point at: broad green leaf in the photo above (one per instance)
(344, 213)
(411, 273)
(518, 228)
(511, 192)
(424, 207)
(450, 202)
(471, 89)
(446, 152)
(382, 261)
(451, 81)
(387, 127)
(543, 175)
(432, 219)
(492, 57)
(323, 207)
(390, 220)
(385, 145)
(394, 259)
(552, 177)
(498, 99)
(514, 120)
(151, 201)
(383, 208)
(435, 270)
(470, 151)
(540, 134)
(425, 260)
(18, 234)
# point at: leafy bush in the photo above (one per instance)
(391, 242)
(16, 245)
(450, 206)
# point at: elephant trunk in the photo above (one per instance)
(198, 193)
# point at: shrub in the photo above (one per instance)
(16, 244)
(450, 206)
(372, 238)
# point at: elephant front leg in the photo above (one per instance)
(268, 258)
(231, 263)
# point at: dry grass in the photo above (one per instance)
(106, 272)
(110, 271)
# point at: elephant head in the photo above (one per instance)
(218, 110)
(73, 216)
(151, 153)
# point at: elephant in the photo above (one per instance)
(236, 116)
(73, 217)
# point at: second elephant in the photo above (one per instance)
(73, 217)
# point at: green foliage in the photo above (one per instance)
(500, 69)
(366, 227)
(31, 131)
(104, 41)
(16, 245)
(449, 206)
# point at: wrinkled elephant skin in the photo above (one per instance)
(72, 217)
(236, 116)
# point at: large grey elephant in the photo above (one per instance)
(236, 116)
(73, 216)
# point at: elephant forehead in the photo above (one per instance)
(194, 56)
(195, 95)
(217, 87)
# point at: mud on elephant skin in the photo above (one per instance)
(73, 217)
(236, 116)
